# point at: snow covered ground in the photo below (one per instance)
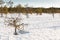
(40, 27)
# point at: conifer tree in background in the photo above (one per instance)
(27, 9)
(19, 8)
(1, 3)
(52, 10)
(5, 10)
(39, 11)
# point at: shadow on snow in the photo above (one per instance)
(54, 27)
(23, 32)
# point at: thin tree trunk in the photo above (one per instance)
(15, 32)
(40, 13)
(27, 15)
(53, 15)
(5, 15)
(1, 15)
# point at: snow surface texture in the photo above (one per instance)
(40, 27)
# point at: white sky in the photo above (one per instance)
(38, 3)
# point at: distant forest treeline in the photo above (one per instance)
(31, 10)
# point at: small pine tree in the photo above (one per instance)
(14, 22)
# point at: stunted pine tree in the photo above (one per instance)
(16, 23)
(13, 22)
(10, 3)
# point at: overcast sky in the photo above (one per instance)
(38, 3)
